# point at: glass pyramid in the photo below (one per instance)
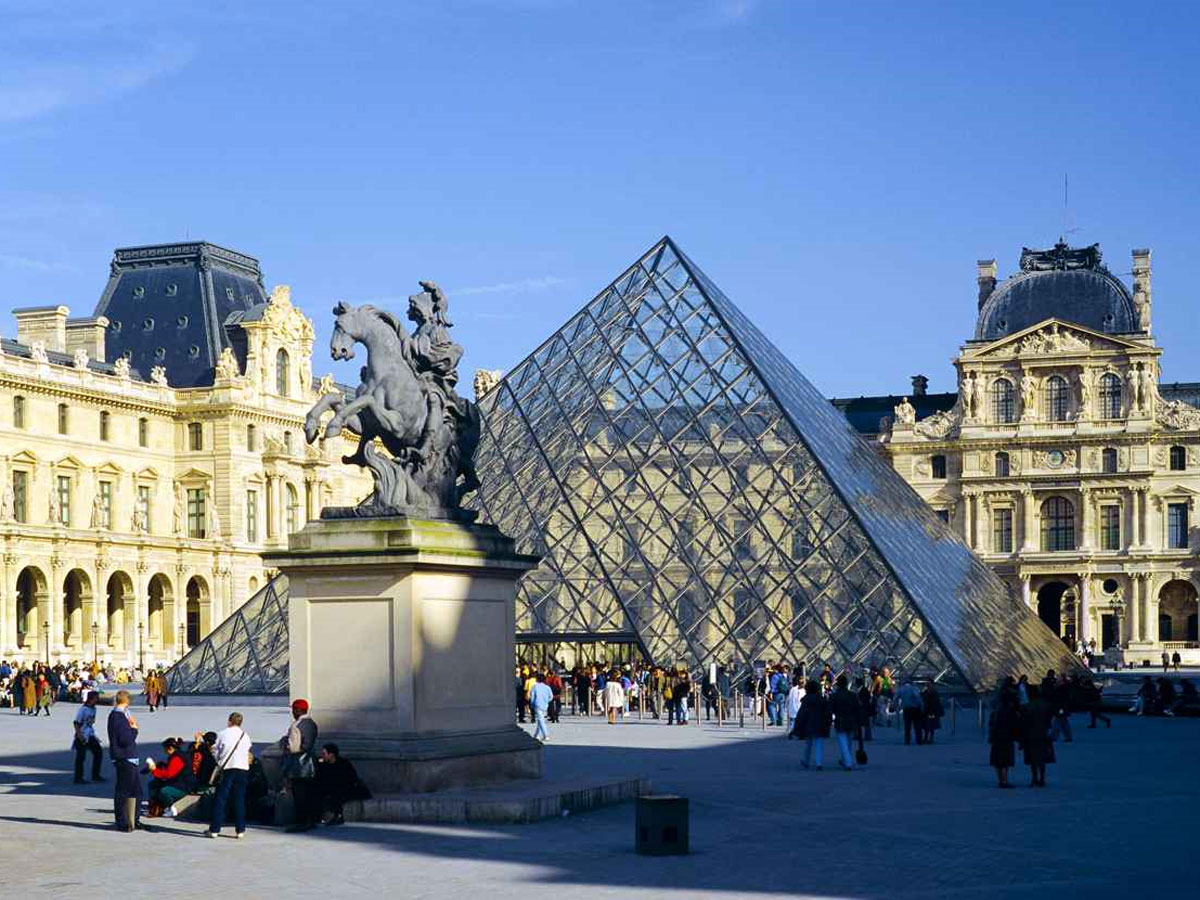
(690, 491)
(245, 654)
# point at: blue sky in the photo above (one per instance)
(836, 168)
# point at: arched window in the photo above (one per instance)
(1004, 407)
(1178, 459)
(1002, 464)
(1058, 524)
(293, 509)
(938, 463)
(1110, 396)
(1057, 399)
(1108, 461)
(282, 372)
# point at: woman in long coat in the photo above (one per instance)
(812, 723)
(1002, 732)
(1035, 737)
(29, 694)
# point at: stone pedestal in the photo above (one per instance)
(402, 640)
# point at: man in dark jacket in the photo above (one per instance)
(337, 782)
(844, 706)
(123, 750)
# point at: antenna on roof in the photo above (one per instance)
(1066, 226)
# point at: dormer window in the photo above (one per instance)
(228, 293)
(172, 290)
(139, 292)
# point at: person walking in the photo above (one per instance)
(844, 707)
(812, 723)
(1166, 661)
(86, 740)
(1003, 728)
(150, 687)
(541, 697)
(794, 699)
(299, 766)
(1176, 659)
(1035, 737)
(614, 697)
(232, 751)
(1093, 703)
(123, 751)
(45, 695)
(909, 700)
(866, 707)
(931, 711)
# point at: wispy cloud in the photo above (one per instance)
(31, 91)
(28, 263)
(511, 287)
(732, 10)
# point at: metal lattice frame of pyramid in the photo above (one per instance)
(245, 654)
(685, 484)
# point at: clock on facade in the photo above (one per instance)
(1055, 458)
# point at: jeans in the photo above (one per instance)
(843, 742)
(81, 751)
(814, 744)
(128, 785)
(232, 784)
(1061, 723)
(775, 709)
(539, 716)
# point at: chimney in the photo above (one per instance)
(1141, 287)
(920, 385)
(986, 279)
(87, 334)
(47, 324)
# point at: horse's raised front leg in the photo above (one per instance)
(345, 411)
(312, 422)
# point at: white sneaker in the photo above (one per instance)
(170, 812)
(211, 834)
(240, 835)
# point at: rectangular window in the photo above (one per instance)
(1177, 526)
(1002, 532)
(944, 515)
(20, 486)
(64, 499)
(143, 432)
(252, 516)
(1110, 527)
(143, 500)
(195, 436)
(938, 465)
(741, 538)
(104, 492)
(64, 421)
(195, 512)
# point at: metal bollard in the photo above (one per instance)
(953, 716)
(737, 698)
(696, 702)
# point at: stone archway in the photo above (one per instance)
(120, 612)
(1177, 611)
(33, 599)
(76, 607)
(1050, 605)
(160, 612)
(199, 610)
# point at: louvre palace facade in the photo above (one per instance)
(151, 452)
(1062, 461)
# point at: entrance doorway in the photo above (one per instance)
(1108, 631)
(1050, 605)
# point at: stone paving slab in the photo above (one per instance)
(920, 822)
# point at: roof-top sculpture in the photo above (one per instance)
(408, 402)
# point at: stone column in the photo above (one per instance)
(1150, 622)
(8, 606)
(1088, 519)
(969, 520)
(1135, 518)
(1135, 619)
(1085, 607)
(1026, 593)
(1027, 542)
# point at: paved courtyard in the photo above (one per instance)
(1116, 821)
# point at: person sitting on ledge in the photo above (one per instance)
(202, 761)
(167, 779)
(337, 783)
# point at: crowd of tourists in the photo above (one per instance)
(34, 688)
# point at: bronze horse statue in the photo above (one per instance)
(406, 402)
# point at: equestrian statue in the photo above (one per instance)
(416, 434)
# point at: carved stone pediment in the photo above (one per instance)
(1050, 338)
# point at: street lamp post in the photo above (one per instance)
(95, 641)
(142, 646)
(182, 638)
(46, 635)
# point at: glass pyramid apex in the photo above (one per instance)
(690, 490)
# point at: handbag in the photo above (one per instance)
(220, 767)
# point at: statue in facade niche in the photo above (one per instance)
(8, 504)
(906, 413)
(97, 510)
(1085, 395)
(1134, 378)
(408, 402)
(1029, 386)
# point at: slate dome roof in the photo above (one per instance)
(1064, 283)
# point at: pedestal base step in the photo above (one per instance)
(521, 801)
